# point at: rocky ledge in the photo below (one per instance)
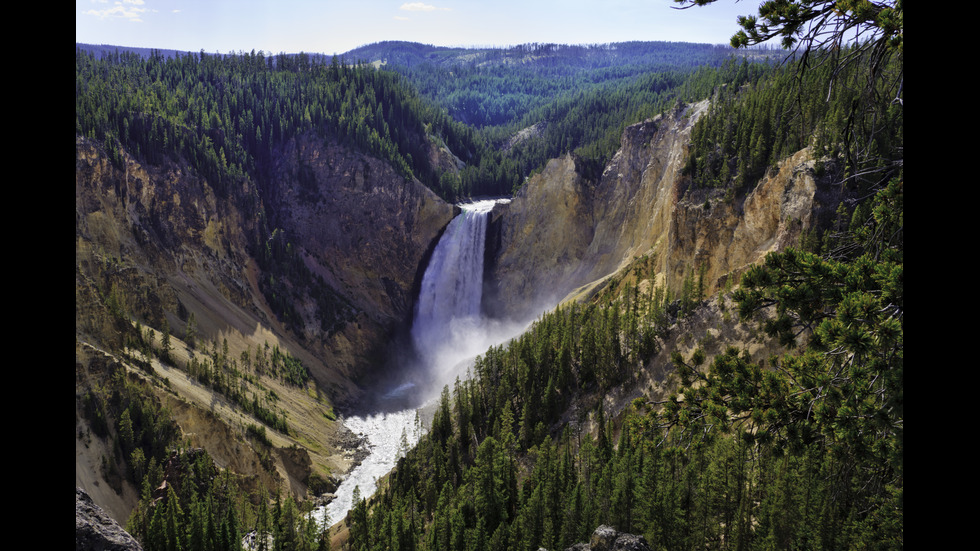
(97, 531)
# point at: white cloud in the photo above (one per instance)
(121, 10)
(419, 6)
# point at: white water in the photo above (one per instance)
(448, 323)
(447, 330)
(388, 435)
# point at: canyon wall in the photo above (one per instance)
(170, 246)
(367, 231)
(562, 235)
(161, 246)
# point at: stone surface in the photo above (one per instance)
(607, 538)
(96, 531)
(167, 244)
(561, 236)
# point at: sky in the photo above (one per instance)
(338, 26)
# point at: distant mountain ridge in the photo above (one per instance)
(547, 54)
(652, 55)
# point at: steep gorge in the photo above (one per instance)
(166, 245)
(366, 231)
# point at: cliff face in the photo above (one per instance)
(537, 243)
(365, 230)
(562, 236)
(363, 227)
(160, 245)
(728, 236)
(152, 238)
(170, 246)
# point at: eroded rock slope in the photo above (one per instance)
(562, 235)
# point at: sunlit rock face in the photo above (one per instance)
(562, 235)
(561, 231)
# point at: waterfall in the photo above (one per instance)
(447, 329)
(448, 307)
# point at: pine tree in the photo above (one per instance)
(165, 342)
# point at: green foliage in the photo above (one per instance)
(821, 24)
(223, 374)
(165, 345)
(190, 331)
(802, 451)
(769, 115)
(805, 452)
(843, 394)
(288, 368)
(317, 484)
(226, 115)
(465, 473)
(590, 121)
(205, 508)
(500, 87)
(258, 432)
(140, 429)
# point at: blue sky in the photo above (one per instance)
(337, 26)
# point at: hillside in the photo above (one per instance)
(156, 247)
(566, 234)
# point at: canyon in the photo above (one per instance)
(163, 242)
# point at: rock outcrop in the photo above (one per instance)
(153, 237)
(561, 236)
(590, 231)
(726, 236)
(607, 538)
(169, 245)
(538, 242)
(97, 531)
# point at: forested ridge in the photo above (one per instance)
(498, 86)
(228, 114)
(573, 98)
(749, 132)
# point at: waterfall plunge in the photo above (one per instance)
(448, 329)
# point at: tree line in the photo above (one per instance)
(227, 115)
(765, 115)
